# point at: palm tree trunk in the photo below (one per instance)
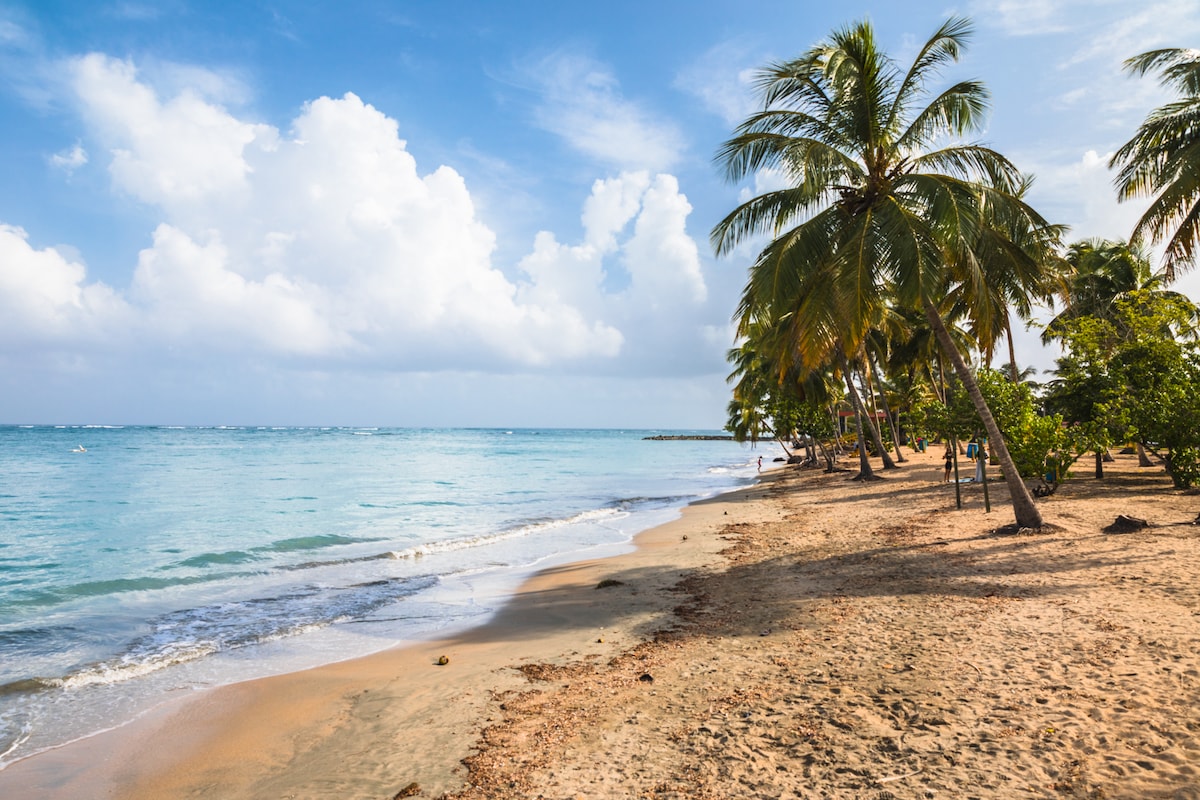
(865, 472)
(1024, 508)
(828, 456)
(1012, 356)
(876, 434)
(939, 385)
(887, 412)
(868, 392)
(1143, 459)
(837, 430)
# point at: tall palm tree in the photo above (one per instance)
(1162, 160)
(886, 203)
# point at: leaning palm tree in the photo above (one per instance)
(885, 204)
(1162, 160)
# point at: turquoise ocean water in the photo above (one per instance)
(159, 560)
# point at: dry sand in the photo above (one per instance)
(807, 638)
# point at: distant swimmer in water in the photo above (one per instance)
(80, 449)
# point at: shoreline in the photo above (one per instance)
(126, 762)
(810, 637)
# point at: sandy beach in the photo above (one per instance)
(808, 637)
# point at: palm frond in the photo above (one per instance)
(944, 46)
(765, 215)
(957, 111)
(1180, 67)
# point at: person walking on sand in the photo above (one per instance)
(949, 465)
(760, 463)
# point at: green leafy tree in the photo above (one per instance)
(1162, 387)
(1086, 392)
(1136, 375)
(1039, 443)
(885, 204)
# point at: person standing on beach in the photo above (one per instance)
(949, 465)
(760, 463)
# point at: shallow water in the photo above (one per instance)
(140, 562)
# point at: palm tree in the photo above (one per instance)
(886, 204)
(919, 353)
(1102, 274)
(874, 356)
(1002, 286)
(780, 404)
(1162, 160)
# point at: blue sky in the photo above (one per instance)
(470, 213)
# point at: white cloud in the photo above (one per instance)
(1076, 189)
(1026, 17)
(1085, 44)
(1139, 28)
(660, 259)
(582, 103)
(11, 33)
(70, 160)
(191, 295)
(612, 204)
(44, 301)
(136, 12)
(164, 152)
(324, 246)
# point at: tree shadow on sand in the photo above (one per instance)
(789, 582)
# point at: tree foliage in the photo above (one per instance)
(886, 207)
(1162, 160)
(1135, 376)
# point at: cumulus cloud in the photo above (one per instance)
(582, 102)
(635, 245)
(164, 152)
(662, 259)
(632, 223)
(190, 293)
(325, 244)
(45, 302)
